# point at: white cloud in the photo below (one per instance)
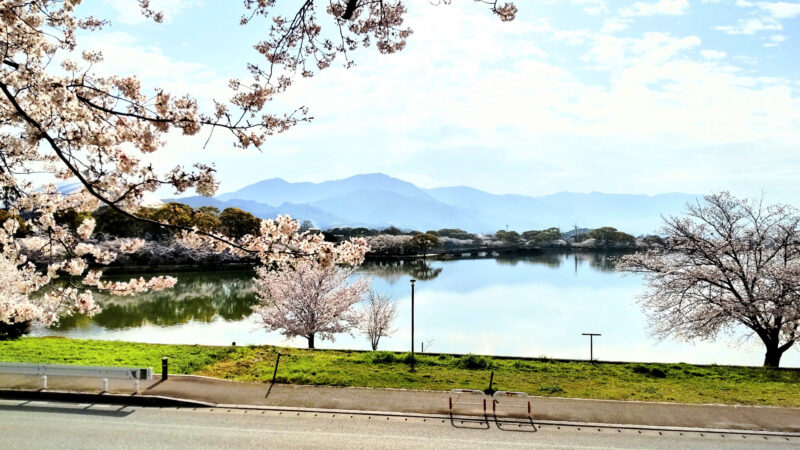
(781, 10)
(661, 7)
(751, 26)
(713, 54)
(593, 7)
(130, 13)
(614, 25)
(775, 40)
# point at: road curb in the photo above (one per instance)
(510, 419)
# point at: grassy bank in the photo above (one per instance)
(684, 383)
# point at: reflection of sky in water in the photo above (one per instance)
(532, 306)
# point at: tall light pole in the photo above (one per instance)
(412, 321)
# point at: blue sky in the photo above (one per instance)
(582, 95)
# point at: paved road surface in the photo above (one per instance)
(47, 425)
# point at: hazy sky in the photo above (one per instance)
(581, 95)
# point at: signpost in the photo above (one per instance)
(412, 321)
(591, 344)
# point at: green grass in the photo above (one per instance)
(683, 383)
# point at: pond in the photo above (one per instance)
(522, 306)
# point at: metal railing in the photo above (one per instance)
(505, 396)
(44, 370)
(456, 395)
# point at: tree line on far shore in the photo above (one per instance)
(236, 223)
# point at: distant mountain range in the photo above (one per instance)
(378, 200)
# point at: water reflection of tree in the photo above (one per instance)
(392, 271)
(549, 259)
(606, 261)
(201, 297)
(603, 261)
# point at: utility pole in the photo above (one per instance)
(591, 344)
(575, 236)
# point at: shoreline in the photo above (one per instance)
(223, 266)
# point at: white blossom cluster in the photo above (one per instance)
(308, 299)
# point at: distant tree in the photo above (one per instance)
(729, 262)
(432, 232)
(308, 300)
(71, 218)
(306, 225)
(388, 244)
(653, 240)
(394, 231)
(540, 236)
(512, 237)
(112, 222)
(237, 223)
(609, 236)
(210, 210)
(174, 213)
(455, 233)
(421, 243)
(206, 222)
(376, 321)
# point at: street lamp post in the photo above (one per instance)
(412, 321)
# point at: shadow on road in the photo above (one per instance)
(86, 411)
(521, 426)
(469, 422)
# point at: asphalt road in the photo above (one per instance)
(48, 425)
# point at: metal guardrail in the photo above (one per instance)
(504, 395)
(44, 370)
(456, 394)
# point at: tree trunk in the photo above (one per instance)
(773, 356)
(311, 341)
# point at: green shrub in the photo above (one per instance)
(655, 372)
(474, 362)
(551, 389)
(407, 358)
(382, 357)
(520, 365)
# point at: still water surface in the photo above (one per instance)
(525, 306)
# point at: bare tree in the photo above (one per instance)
(729, 262)
(377, 319)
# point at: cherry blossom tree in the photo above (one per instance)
(60, 120)
(729, 263)
(376, 322)
(308, 299)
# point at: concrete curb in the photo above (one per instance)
(514, 420)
